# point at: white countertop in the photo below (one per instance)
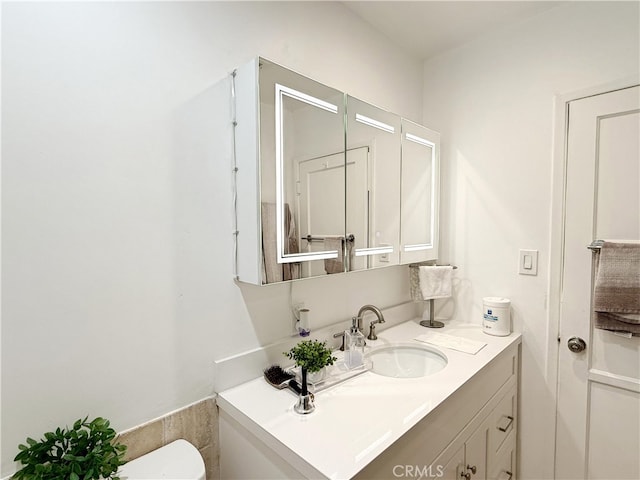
(358, 419)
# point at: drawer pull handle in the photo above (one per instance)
(506, 427)
(502, 475)
(471, 470)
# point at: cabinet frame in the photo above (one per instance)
(248, 195)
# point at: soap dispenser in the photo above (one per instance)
(354, 345)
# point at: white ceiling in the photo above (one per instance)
(427, 28)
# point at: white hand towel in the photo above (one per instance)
(435, 281)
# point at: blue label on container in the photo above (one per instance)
(489, 317)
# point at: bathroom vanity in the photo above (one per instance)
(458, 423)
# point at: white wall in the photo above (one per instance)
(493, 102)
(117, 271)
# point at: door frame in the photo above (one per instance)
(556, 247)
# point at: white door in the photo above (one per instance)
(598, 417)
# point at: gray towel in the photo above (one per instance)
(271, 269)
(616, 296)
(290, 271)
(414, 284)
(334, 265)
(350, 252)
(274, 271)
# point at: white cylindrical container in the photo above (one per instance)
(496, 316)
(304, 322)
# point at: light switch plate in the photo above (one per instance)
(528, 262)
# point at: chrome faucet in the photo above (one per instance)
(372, 326)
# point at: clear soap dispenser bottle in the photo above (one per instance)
(354, 345)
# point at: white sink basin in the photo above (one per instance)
(406, 360)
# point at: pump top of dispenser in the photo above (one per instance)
(354, 324)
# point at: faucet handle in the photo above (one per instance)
(338, 335)
(372, 330)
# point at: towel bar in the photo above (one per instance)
(596, 245)
(310, 238)
(431, 323)
(415, 265)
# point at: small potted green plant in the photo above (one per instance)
(87, 451)
(311, 356)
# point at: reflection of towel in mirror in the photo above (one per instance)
(435, 281)
(334, 265)
(290, 271)
(350, 249)
(272, 270)
(616, 295)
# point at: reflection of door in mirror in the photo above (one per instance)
(419, 199)
(305, 120)
(377, 131)
(357, 214)
(318, 181)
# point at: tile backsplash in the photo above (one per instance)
(197, 423)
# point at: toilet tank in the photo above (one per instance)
(179, 460)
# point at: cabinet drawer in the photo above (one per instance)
(502, 466)
(503, 420)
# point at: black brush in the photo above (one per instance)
(277, 377)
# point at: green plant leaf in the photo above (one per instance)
(86, 451)
(311, 354)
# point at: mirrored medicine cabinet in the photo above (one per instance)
(326, 183)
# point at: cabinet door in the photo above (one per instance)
(302, 175)
(420, 183)
(503, 464)
(373, 199)
(450, 464)
(476, 454)
(467, 461)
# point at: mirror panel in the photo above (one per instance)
(372, 184)
(419, 193)
(302, 175)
